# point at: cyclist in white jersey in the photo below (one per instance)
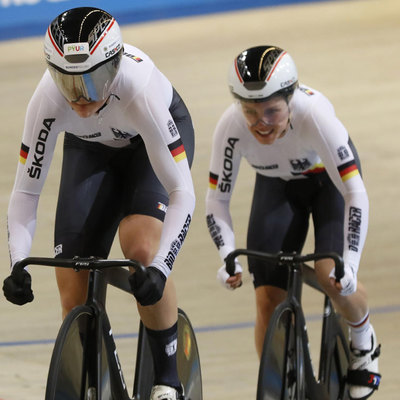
(128, 148)
(305, 165)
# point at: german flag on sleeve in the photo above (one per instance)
(212, 181)
(177, 150)
(23, 153)
(348, 170)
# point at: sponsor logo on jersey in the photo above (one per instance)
(172, 128)
(177, 243)
(343, 153)
(265, 167)
(226, 179)
(23, 153)
(300, 165)
(134, 58)
(215, 231)
(177, 150)
(120, 135)
(354, 232)
(91, 136)
(348, 170)
(212, 181)
(35, 170)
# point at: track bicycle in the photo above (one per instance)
(286, 371)
(85, 364)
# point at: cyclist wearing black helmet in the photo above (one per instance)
(305, 165)
(128, 149)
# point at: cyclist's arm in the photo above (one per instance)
(332, 144)
(168, 159)
(36, 152)
(224, 168)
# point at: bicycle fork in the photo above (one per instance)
(307, 386)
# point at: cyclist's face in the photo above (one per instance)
(267, 120)
(86, 108)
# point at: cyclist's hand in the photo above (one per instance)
(147, 286)
(348, 284)
(17, 288)
(230, 282)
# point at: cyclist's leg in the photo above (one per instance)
(328, 216)
(160, 319)
(275, 225)
(139, 238)
(139, 235)
(85, 222)
(267, 299)
(72, 288)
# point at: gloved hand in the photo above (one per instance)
(230, 282)
(348, 284)
(148, 285)
(17, 288)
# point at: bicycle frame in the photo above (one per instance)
(320, 388)
(103, 272)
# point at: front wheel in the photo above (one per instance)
(72, 373)
(281, 373)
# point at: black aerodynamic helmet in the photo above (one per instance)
(260, 72)
(83, 49)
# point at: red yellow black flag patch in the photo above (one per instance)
(23, 153)
(212, 181)
(348, 170)
(177, 150)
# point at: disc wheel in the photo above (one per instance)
(68, 376)
(188, 359)
(281, 372)
(339, 362)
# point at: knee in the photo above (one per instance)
(142, 250)
(139, 237)
(322, 270)
(267, 299)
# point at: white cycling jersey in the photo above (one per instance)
(315, 141)
(139, 105)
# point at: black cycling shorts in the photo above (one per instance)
(279, 221)
(100, 185)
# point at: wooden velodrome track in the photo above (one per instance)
(347, 49)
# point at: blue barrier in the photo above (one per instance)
(22, 18)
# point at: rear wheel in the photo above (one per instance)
(339, 362)
(188, 362)
(188, 359)
(281, 373)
